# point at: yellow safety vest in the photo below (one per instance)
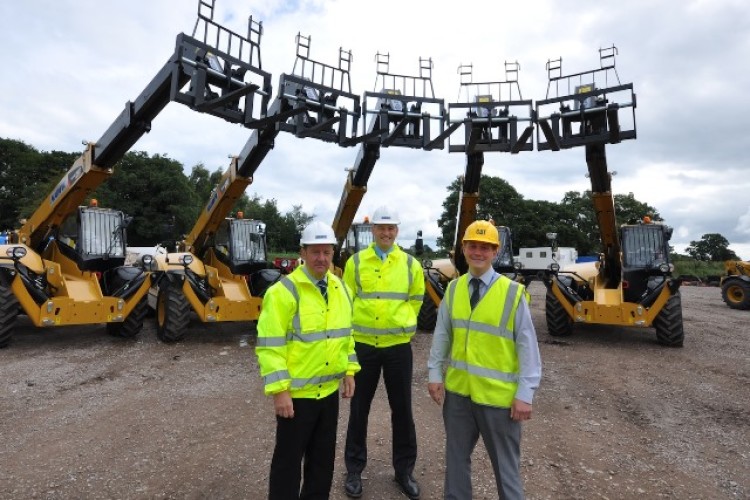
(483, 361)
(304, 345)
(387, 296)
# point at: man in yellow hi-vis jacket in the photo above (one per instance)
(485, 364)
(388, 287)
(305, 350)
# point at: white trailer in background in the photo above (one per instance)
(542, 257)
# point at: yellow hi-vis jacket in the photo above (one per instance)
(387, 296)
(483, 360)
(304, 345)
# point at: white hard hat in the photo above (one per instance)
(317, 233)
(384, 215)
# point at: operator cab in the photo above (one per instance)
(359, 237)
(241, 244)
(94, 237)
(645, 258)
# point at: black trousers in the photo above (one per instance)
(309, 436)
(396, 364)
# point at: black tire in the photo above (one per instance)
(427, 317)
(736, 293)
(132, 325)
(559, 323)
(172, 313)
(8, 314)
(668, 323)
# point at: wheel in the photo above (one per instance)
(668, 323)
(8, 314)
(427, 317)
(736, 293)
(172, 313)
(559, 323)
(132, 325)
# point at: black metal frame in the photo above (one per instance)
(404, 108)
(585, 94)
(309, 102)
(491, 122)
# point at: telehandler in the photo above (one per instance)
(65, 264)
(632, 282)
(220, 270)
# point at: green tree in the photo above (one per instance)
(26, 178)
(498, 200)
(202, 181)
(156, 193)
(282, 230)
(573, 219)
(580, 225)
(711, 247)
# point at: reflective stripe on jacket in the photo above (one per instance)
(387, 296)
(305, 345)
(483, 361)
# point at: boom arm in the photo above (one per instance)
(604, 209)
(467, 206)
(354, 190)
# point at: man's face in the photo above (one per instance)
(385, 235)
(317, 259)
(479, 256)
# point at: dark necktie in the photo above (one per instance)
(475, 293)
(323, 289)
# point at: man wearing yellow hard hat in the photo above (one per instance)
(484, 367)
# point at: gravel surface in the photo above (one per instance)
(84, 415)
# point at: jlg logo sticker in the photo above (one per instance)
(481, 231)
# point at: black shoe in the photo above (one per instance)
(408, 485)
(353, 484)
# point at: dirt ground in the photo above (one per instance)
(84, 415)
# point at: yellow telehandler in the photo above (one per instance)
(631, 284)
(65, 264)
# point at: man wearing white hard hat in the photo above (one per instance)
(305, 351)
(388, 287)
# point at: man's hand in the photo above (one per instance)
(520, 410)
(347, 388)
(437, 391)
(282, 403)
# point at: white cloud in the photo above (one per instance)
(74, 64)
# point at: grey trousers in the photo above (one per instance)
(465, 421)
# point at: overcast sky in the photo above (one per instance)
(70, 66)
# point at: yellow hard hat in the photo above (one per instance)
(483, 231)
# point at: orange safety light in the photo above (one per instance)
(367, 219)
(240, 215)
(647, 219)
(94, 202)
